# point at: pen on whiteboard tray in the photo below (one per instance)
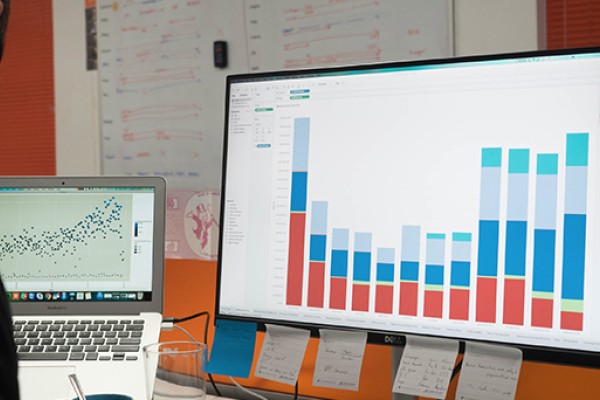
(76, 386)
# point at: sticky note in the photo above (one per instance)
(339, 359)
(489, 372)
(233, 348)
(282, 353)
(426, 367)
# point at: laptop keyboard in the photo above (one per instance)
(78, 340)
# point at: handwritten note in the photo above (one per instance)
(233, 348)
(426, 367)
(339, 359)
(282, 353)
(489, 372)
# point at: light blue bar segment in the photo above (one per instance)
(491, 157)
(339, 239)
(545, 201)
(461, 251)
(576, 190)
(489, 207)
(318, 221)
(385, 255)
(411, 242)
(547, 164)
(577, 149)
(362, 242)
(435, 251)
(301, 140)
(518, 197)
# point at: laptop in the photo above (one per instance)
(82, 260)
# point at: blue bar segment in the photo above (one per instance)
(460, 266)
(487, 255)
(299, 185)
(516, 244)
(385, 265)
(339, 253)
(573, 257)
(434, 263)
(362, 257)
(318, 247)
(544, 248)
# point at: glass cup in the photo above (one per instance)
(175, 370)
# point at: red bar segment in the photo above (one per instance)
(514, 301)
(337, 295)
(541, 312)
(384, 299)
(486, 300)
(572, 321)
(409, 299)
(316, 284)
(459, 304)
(433, 303)
(296, 259)
(360, 297)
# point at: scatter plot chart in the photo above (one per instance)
(82, 237)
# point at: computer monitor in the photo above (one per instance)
(454, 197)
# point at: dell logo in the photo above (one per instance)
(393, 339)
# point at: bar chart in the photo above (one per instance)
(505, 271)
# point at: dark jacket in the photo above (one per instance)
(9, 388)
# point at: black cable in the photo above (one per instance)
(456, 370)
(206, 323)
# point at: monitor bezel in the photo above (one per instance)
(554, 355)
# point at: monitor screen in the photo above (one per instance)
(451, 198)
(65, 242)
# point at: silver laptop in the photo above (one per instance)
(82, 261)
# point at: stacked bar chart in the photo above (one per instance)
(481, 276)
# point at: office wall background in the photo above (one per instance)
(481, 26)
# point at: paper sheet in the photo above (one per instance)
(233, 348)
(489, 372)
(339, 359)
(282, 354)
(426, 367)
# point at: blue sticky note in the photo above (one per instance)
(233, 348)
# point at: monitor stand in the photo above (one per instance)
(396, 356)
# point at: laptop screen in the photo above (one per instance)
(69, 242)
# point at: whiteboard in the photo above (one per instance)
(162, 100)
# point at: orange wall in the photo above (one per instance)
(27, 92)
(190, 287)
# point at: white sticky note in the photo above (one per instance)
(339, 359)
(489, 372)
(282, 353)
(426, 367)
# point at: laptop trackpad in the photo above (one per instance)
(44, 383)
